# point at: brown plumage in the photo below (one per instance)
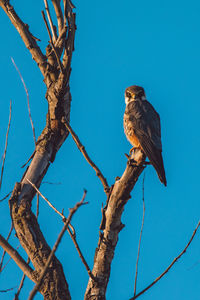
(142, 128)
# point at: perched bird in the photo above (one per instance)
(142, 128)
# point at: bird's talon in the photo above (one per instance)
(132, 162)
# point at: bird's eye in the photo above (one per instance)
(128, 94)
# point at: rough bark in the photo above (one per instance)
(32, 240)
(51, 139)
(111, 226)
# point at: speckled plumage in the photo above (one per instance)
(142, 128)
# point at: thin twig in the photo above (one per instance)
(48, 202)
(37, 207)
(51, 205)
(59, 14)
(50, 20)
(51, 183)
(8, 290)
(52, 44)
(138, 255)
(4, 252)
(6, 264)
(21, 283)
(9, 259)
(72, 234)
(28, 160)
(17, 258)
(28, 39)
(4, 198)
(82, 149)
(27, 95)
(61, 36)
(169, 267)
(72, 211)
(6, 144)
(73, 237)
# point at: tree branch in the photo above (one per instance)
(49, 142)
(88, 159)
(52, 44)
(27, 95)
(7, 290)
(111, 225)
(21, 283)
(4, 252)
(27, 37)
(138, 255)
(50, 21)
(51, 205)
(59, 15)
(17, 258)
(6, 145)
(72, 234)
(169, 267)
(72, 212)
(69, 45)
(73, 237)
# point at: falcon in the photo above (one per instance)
(142, 128)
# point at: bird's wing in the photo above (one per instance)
(146, 124)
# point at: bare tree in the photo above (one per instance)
(55, 66)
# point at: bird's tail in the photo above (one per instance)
(155, 156)
(159, 167)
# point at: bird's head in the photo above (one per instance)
(134, 92)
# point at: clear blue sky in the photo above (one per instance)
(155, 44)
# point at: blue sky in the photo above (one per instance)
(149, 43)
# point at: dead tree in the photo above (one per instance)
(56, 75)
(55, 66)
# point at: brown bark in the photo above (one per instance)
(110, 227)
(51, 139)
(32, 240)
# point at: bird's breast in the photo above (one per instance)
(130, 134)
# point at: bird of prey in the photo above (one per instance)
(142, 128)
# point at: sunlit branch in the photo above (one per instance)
(52, 44)
(50, 20)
